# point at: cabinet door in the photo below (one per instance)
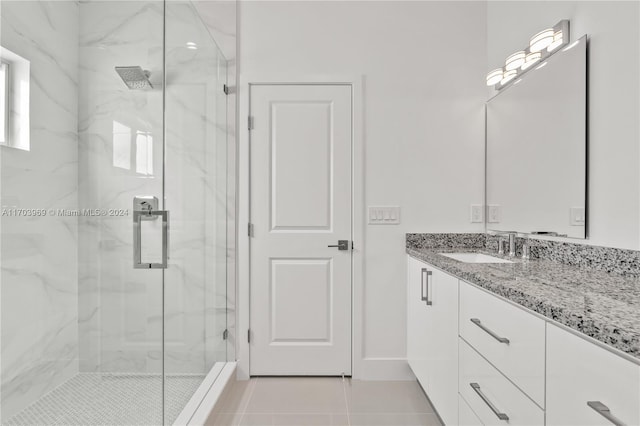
(508, 337)
(442, 359)
(579, 371)
(491, 396)
(417, 334)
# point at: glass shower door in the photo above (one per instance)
(195, 194)
(121, 173)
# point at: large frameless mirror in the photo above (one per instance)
(537, 149)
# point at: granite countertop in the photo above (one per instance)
(602, 305)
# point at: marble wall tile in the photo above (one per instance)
(38, 256)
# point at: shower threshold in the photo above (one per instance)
(89, 399)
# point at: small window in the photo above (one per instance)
(14, 100)
(4, 103)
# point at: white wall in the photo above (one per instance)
(614, 108)
(423, 65)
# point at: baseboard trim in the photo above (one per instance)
(385, 369)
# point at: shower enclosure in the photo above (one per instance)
(114, 182)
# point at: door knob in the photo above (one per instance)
(342, 245)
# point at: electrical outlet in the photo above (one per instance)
(577, 216)
(476, 213)
(495, 213)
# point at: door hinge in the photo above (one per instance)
(228, 89)
(249, 336)
(250, 230)
(250, 122)
(225, 335)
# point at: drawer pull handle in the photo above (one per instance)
(425, 297)
(604, 411)
(501, 416)
(477, 322)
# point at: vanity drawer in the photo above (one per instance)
(493, 398)
(512, 339)
(579, 371)
(466, 416)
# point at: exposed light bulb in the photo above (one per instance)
(515, 61)
(494, 77)
(541, 40)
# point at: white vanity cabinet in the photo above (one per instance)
(491, 395)
(432, 335)
(484, 360)
(509, 338)
(417, 320)
(579, 372)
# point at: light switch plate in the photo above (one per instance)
(384, 215)
(476, 213)
(577, 216)
(495, 213)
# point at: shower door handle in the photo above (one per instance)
(138, 217)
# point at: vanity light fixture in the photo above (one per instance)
(191, 45)
(541, 46)
(494, 77)
(531, 59)
(514, 61)
(508, 76)
(541, 40)
(557, 41)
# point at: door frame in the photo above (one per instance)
(243, 306)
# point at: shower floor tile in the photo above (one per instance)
(110, 399)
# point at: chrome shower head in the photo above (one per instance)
(135, 77)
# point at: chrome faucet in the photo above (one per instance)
(512, 243)
(526, 250)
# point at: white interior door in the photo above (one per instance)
(300, 205)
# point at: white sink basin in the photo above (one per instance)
(475, 258)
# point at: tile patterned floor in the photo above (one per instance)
(109, 400)
(326, 402)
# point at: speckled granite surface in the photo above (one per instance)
(603, 305)
(607, 259)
